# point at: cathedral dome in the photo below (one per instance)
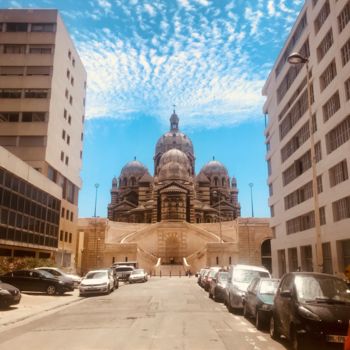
(133, 168)
(213, 168)
(174, 138)
(174, 165)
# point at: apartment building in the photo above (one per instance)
(42, 107)
(321, 33)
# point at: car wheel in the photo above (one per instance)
(259, 324)
(51, 290)
(296, 342)
(274, 332)
(245, 310)
(4, 304)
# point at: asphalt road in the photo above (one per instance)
(164, 313)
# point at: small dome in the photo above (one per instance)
(214, 167)
(174, 165)
(133, 168)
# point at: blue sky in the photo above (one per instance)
(208, 57)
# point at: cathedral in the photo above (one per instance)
(174, 192)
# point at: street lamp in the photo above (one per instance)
(297, 58)
(251, 197)
(218, 194)
(96, 187)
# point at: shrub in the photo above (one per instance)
(11, 264)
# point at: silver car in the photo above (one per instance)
(138, 275)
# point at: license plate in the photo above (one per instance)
(336, 338)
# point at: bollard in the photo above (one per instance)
(160, 273)
(170, 273)
(180, 273)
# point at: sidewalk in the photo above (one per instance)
(32, 305)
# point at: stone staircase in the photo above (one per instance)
(170, 270)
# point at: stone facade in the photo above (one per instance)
(174, 247)
(174, 193)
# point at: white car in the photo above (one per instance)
(97, 282)
(138, 275)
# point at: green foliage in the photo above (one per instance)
(11, 264)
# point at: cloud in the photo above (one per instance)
(208, 61)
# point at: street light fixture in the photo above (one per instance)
(297, 58)
(96, 187)
(97, 239)
(218, 194)
(251, 197)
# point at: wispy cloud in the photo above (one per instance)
(207, 57)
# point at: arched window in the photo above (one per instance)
(125, 181)
(230, 260)
(217, 260)
(132, 182)
(126, 259)
(223, 181)
(216, 181)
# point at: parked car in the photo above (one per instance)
(37, 281)
(97, 282)
(61, 275)
(123, 271)
(138, 275)
(259, 300)
(202, 273)
(239, 278)
(209, 275)
(9, 295)
(311, 310)
(217, 286)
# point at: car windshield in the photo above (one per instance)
(268, 287)
(53, 272)
(245, 276)
(99, 274)
(321, 288)
(212, 273)
(137, 271)
(222, 276)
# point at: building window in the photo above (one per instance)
(67, 160)
(82, 137)
(344, 17)
(325, 45)
(341, 209)
(338, 173)
(12, 70)
(66, 93)
(43, 27)
(293, 259)
(67, 214)
(15, 48)
(36, 93)
(338, 135)
(33, 117)
(16, 27)
(65, 114)
(68, 139)
(70, 238)
(345, 53)
(41, 49)
(270, 190)
(294, 39)
(62, 212)
(345, 252)
(71, 216)
(61, 235)
(272, 211)
(328, 75)
(10, 93)
(73, 62)
(72, 81)
(68, 73)
(306, 258)
(70, 99)
(304, 222)
(69, 120)
(63, 134)
(331, 107)
(347, 89)
(69, 54)
(66, 236)
(32, 141)
(327, 258)
(322, 16)
(37, 70)
(10, 117)
(62, 156)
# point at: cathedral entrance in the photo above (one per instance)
(172, 251)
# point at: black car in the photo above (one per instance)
(258, 301)
(37, 281)
(9, 295)
(311, 310)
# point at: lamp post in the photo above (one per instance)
(96, 187)
(218, 194)
(97, 239)
(297, 58)
(251, 197)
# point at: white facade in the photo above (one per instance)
(322, 32)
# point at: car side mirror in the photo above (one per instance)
(286, 293)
